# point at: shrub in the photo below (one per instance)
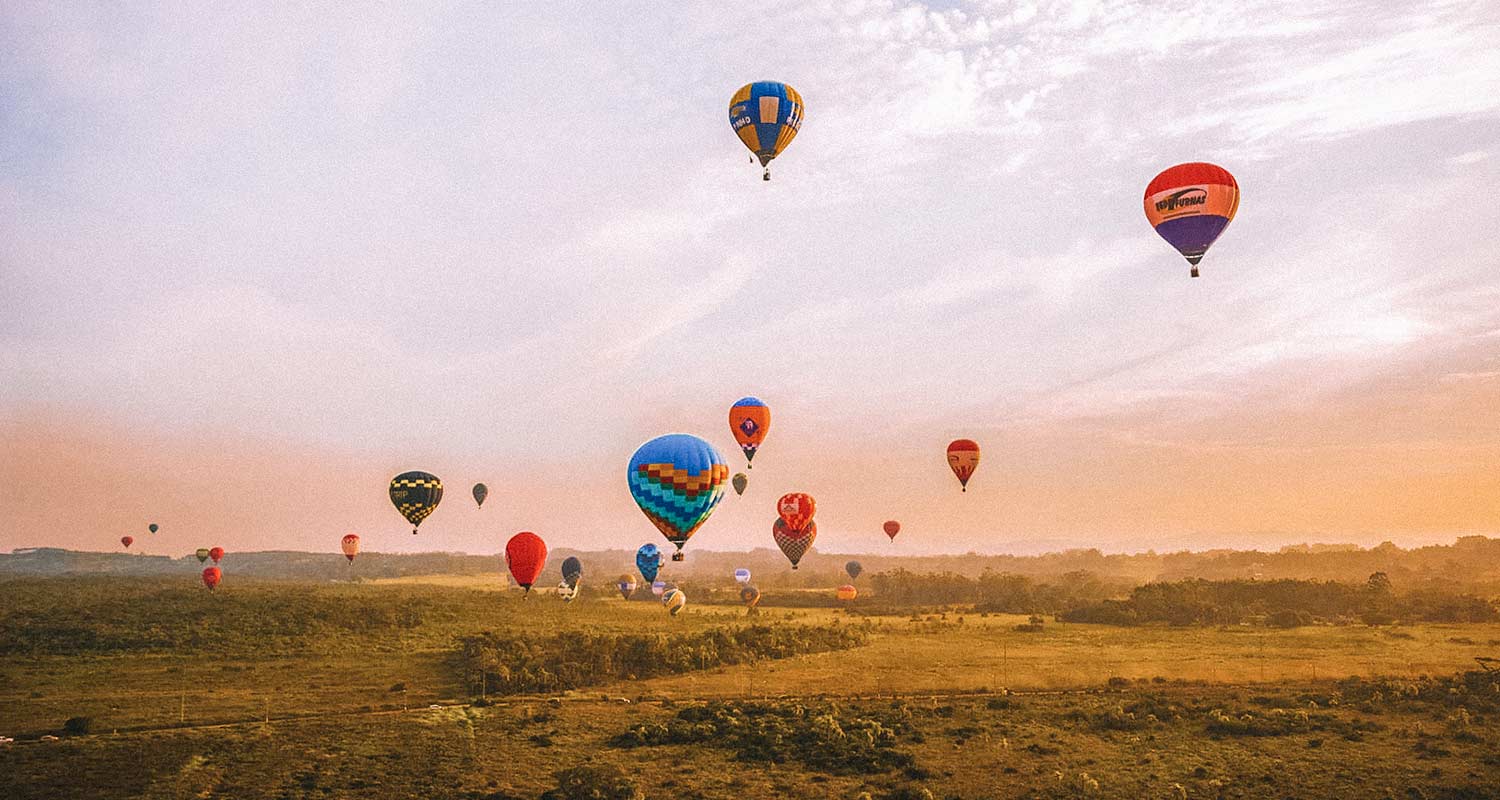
(78, 726)
(594, 782)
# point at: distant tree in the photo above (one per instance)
(1379, 584)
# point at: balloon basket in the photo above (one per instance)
(678, 556)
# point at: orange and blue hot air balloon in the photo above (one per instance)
(766, 115)
(1189, 205)
(749, 421)
(677, 480)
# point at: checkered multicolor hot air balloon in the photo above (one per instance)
(793, 543)
(677, 480)
(415, 494)
(766, 115)
(1189, 205)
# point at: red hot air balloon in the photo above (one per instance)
(846, 593)
(216, 553)
(350, 544)
(127, 541)
(211, 577)
(963, 458)
(1189, 205)
(526, 554)
(892, 528)
(796, 510)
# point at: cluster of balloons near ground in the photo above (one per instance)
(211, 575)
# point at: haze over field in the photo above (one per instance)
(254, 262)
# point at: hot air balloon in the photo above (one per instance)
(750, 596)
(216, 553)
(749, 421)
(892, 528)
(626, 584)
(350, 544)
(658, 588)
(480, 492)
(202, 554)
(854, 568)
(565, 591)
(648, 561)
(794, 543)
(572, 570)
(796, 509)
(153, 527)
(677, 480)
(739, 482)
(127, 541)
(846, 593)
(211, 577)
(766, 115)
(674, 600)
(526, 554)
(963, 458)
(1189, 205)
(415, 494)
(742, 575)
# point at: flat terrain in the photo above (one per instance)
(978, 708)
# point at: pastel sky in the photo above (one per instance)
(256, 259)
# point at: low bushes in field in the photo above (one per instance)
(594, 782)
(821, 737)
(512, 663)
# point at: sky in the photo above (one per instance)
(256, 260)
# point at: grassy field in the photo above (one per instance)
(334, 695)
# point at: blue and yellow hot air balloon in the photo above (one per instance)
(766, 115)
(677, 480)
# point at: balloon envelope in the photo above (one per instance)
(739, 481)
(216, 553)
(1189, 205)
(892, 528)
(742, 575)
(211, 577)
(658, 588)
(846, 592)
(749, 421)
(350, 546)
(127, 540)
(796, 509)
(153, 527)
(854, 568)
(963, 459)
(648, 561)
(572, 570)
(674, 600)
(626, 584)
(415, 494)
(750, 596)
(526, 554)
(202, 554)
(677, 480)
(766, 115)
(480, 492)
(793, 544)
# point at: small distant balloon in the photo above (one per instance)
(216, 553)
(750, 596)
(153, 527)
(739, 481)
(963, 459)
(892, 528)
(127, 541)
(648, 561)
(572, 570)
(846, 593)
(766, 115)
(1189, 205)
(742, 575)
(211, 577)
(350, 545)
(526, 554)
(658, 588)
(415, 494)
(202, 554)
(749, 421)
(675, 601)
(626, 584)
(854, 568)
(480, 492)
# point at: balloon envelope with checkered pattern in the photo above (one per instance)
(677, 480)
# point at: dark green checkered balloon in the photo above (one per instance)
(415, 494)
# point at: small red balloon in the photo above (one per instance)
(127, 540)
(211, 577)
(216, 553)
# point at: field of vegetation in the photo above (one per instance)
(292, 689)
